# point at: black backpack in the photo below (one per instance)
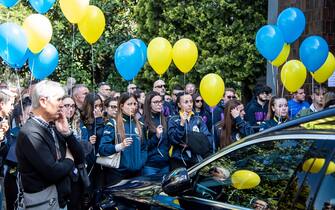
(197, 142)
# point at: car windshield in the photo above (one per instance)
(258, 174)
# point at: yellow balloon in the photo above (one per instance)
(212, 89)
(293, 75)
(283, 55)
(326, 70)
(184, 54)
(74, 10)
(314, 165)
(245, 179)
(159, 54)
(92, 25)
(38, 30)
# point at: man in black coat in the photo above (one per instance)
(46, 148)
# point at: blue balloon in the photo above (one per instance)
(128, 60)
(20, 64)
(13, 43)
(42, 6)
(291, 22)
(269, 41)
(9, 3)
(313, 52)
(44, 63)
(143, 48)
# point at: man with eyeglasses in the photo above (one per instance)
(104, 90)
(317, 104)
(257, 108)
(160, 87)
(131, 88)
(297, 103)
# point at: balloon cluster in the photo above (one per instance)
(130, 57)
(29, 42)
(184, 54)
(90, 19)
(41, 6)
(273, 42)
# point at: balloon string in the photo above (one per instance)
(313, 86)
(31, 76)
(19, 90)
(72, 56)
(212, 112)
(282, 91)
(273, 78)
(93, 82)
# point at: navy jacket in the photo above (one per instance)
(133, 157)
(256, 113)
(271, 123)
(89, 130)
(177, 134)
(218, 112)
(158, 148)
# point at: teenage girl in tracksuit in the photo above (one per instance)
(130, 141)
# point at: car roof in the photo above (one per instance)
(318, 121)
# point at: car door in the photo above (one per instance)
(272, 162)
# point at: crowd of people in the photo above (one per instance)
(51, 135)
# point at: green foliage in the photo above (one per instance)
(223, 30)
(75, 55)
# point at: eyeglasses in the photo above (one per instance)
(231, 97)
(160, 86)
(157, 102)
(112, 107)
(73, 106)
(198, 101)
(133, 88)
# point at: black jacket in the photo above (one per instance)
(37, 158)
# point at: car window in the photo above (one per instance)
(325, 198)
(269, 165)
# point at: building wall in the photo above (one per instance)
(320, 20)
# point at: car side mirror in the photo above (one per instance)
(176, 182)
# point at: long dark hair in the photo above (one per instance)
(87, 115)
(148, 122)
(227, 123)
(194, 97)
(119, 119)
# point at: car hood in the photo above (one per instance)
(146, 190)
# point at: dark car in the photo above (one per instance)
(290, 166)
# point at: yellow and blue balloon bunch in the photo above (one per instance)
(273, 42)
(29, 42)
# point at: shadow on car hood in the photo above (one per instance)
(145, 190)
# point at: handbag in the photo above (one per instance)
(46, 199)
(112, 161)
